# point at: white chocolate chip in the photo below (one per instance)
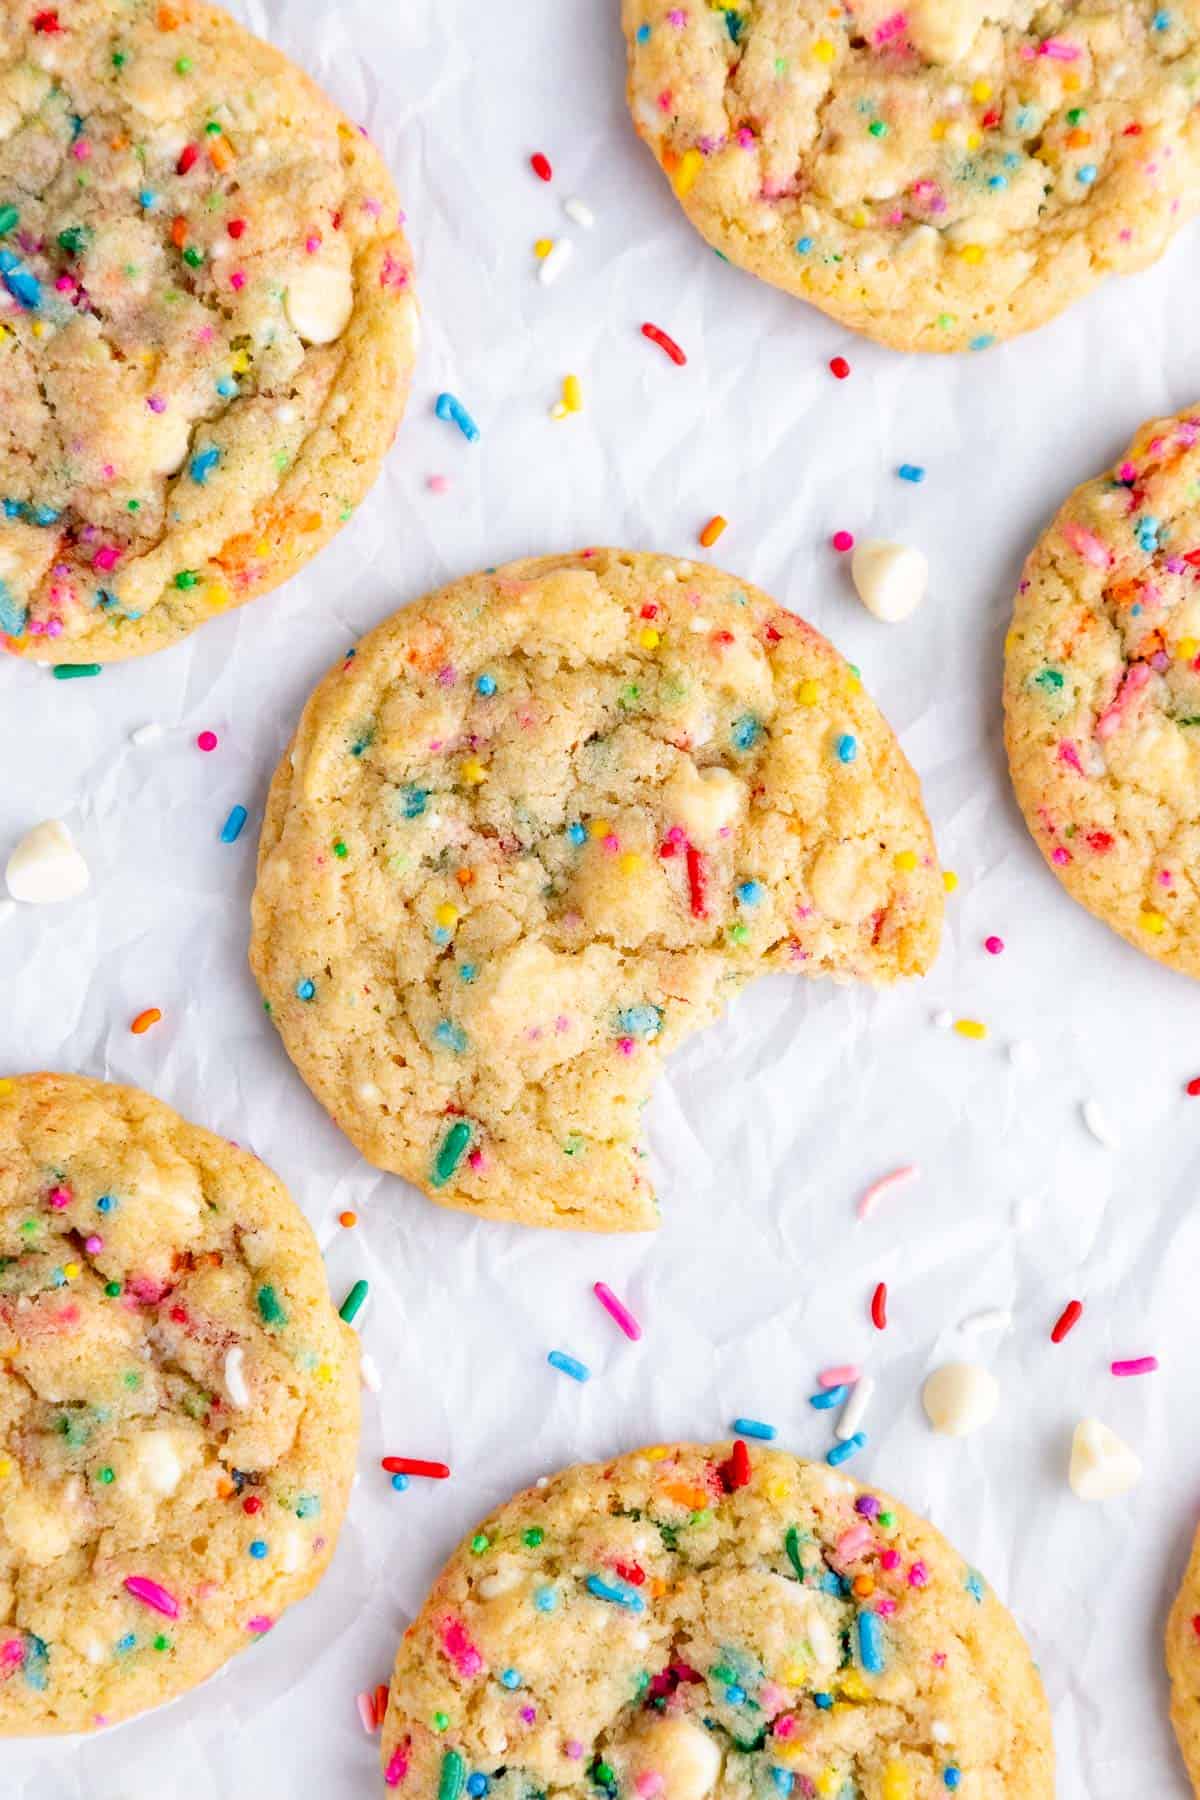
(1097, 1123)
(46, 867)
(891, 578)
(704, 801)
(235, 1379)
(156, 1463)
(959, 1398)
(683, 1754)
(319, 299)
(1102, 1464)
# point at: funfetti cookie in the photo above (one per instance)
(540, 826)
(1183, 1665)
(207, 322)
(178, 1404)
(1102, 693)
(938, 176)
(693, 1621)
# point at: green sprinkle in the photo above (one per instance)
(193, 256)
(9, 217)
(186, 578)
(791, 1544)
(161, 1642)
(133, 506)
(533, 1537)
(440, 1721)
(340, 850)
(75, 671)
(119, 58)
(1075, 115)
(738, 933)
(74, 239)
(886, 1519)
(132, 1379)
(479, 1543)
(454, 1148)
(183, 65)
(212, 128)
(112, 1289)
(352, 1305)
(877, 128)
(269, 1308)
(450, 1781)
(105, 1476)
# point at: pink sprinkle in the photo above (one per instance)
(1136, 678)
(457, 1644)
(843, 1375)
(852, 1541)
(81, 150)
(918, 1575)
(889, 1559)
(397, 1767)
(237, 281)
(60, 1197)
(366, 1711)
(617, 1311)
(152, 1595)
(1059, 50)
(625, 1046)
(993, 945)
(528, 1714)
(898, 1178)
(312, 244)
(207, 740)
(784, 1727)
(842, 541)
(1086, 544)
(890, 28)
(438, 484)
(886, 1607)
(93, 1245)
(1060, 856)
(1069, 754)
(1127, 472)
(649, 1783)
(573, 1748)
(259, 1624)
(156, 403)
(1136, 1365)
(12, 1654)
(107, 557)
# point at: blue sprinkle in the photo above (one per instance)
(577, 833)
(952, 1776)
(828, 1398)
(455, 413)
(984, 342)
(735, 1695)
(754, 1428)
(203, 463)
(844, 1451)
(258, 1549)
(975, 1584)
(824, 1701)
(13, 509)
(750, 892)
(105, 1203)
(399, 1482)
(477, 1786)
(106, 599)
(569, 1365)
(486, 685)
(846, 747)
(643, 34)
(227, 387)
(450, 1036)
(1087, 174)
(746, 731)
(12, 613)
(127, 1642)
(545, 1599)
(911, 472)
(803, 246)
(617, 1596)
(1026, 119)
(1161, 22)
(45, 515)
(21, 283)
(639, 1021)
(467, 973)
(510, 1679)
(833, 1584)
(231, 830)
(783, 1779)
(412, 802)
(146, 199)
(997, 181)
(305, 990)
(1011, 159)
(870, 1643)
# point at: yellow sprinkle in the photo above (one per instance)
(572, 393)
(217, 596)
(828, 1782)
(1071, 82)
(1186, 649)
(775, 1489)
(5, 1468)
(860, 218)
(974, 139)
(241, 362)
(853, 1686)
(648, 638)
(600, 828)
(4, 332)
(542, 248)
(686, 173)
(949, 880)
(981, 90)
(39, 329)
(324, 1373)
(972, 253)
(473, 771)
(71, 1270)
(808, 693)
(1153, 922)
(823, 51)
(905, 860)
(970, 1028)
(7, 1086)
(659, 1453)
(850, 681)
(794, 1674)
(446, 916)
(629, 863)
(263, 547)
(937, 130)
(897, 1782)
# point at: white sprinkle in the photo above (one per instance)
(581, 214)
(855, 1409)
(555, 261)
(943, 1019)
(1024, 1056)
(371, 1378)
(235, 1380)
(898, 1178)
(993, 1318)
(146, 734)
(1096, 1122)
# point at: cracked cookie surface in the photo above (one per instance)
(207, 323)
(939, 176)
(1102, 693)
(178, 1404)
(1183, 1665)
(689, 1621)
(535, 830)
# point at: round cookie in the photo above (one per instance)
(207, 323)
(178, 1404)
(1102, 693)
(1183, 1665)
(939, 176)
(540, 826)
(699, 1620)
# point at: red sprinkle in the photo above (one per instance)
(993, 945)
(696, 881)
(1196, 1623)
(1193, 1086)
(412, 1465)
(541, 166)
(879, 1307)
(236, 227)
(48, 22)
(664, 343)
(842, 541)
(189, 156)
(736, 1472)
(207, 740)
(252, 1505)
(840, 367)
(1068, 1318)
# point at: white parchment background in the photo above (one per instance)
(770, 1125)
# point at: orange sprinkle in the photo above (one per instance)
(145, 1020)
(347, 1219)
(310, 521)
(220, 153)
(684, 1494)
(713, 530)
(179, 232)
(167, 18)
(464, 877)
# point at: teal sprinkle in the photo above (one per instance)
(870, 1643)
(37, 1657)
(75, 671)
(643, 34)
(577, 833)
(450, 1781)
(450, 1036)
(308, 1506)
(803, 246)
(20, 282)
(975, 1584)
(353, 1304)
(733, 25)
(269, 1308)
(746, 732)
(1050, 679)
(640, 1021)
(453, 1149)
(467, 973)
(412, 800)
(984, 342)
(12, 613)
